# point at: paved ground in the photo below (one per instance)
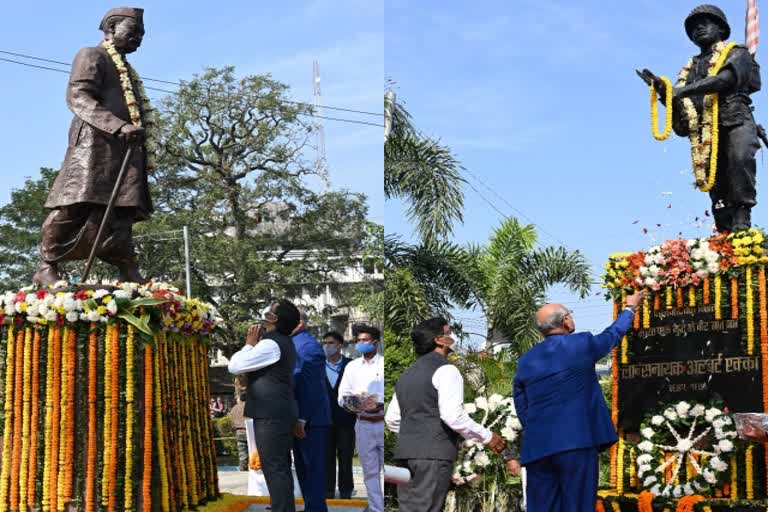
(236, 482)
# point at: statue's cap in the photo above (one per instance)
(129, 12)
(711, 11)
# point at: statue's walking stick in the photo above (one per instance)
(107, 214)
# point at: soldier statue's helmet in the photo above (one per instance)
(123, 12)
(711, 11)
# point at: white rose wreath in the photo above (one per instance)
(679, 430)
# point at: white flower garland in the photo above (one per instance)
(142, 117)
(701, 143)
(491, 412)
(661, 430)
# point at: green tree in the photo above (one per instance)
(511, 278)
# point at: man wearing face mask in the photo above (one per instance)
(341, 438)
(427, 413)
(102, 129)
(268, 361)
(560, 404)
(366, 375)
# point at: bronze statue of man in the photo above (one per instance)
(733, 193)
(104, 96)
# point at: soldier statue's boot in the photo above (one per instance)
(723, 219)
(742, 218)
(47, 274)
(129, 272)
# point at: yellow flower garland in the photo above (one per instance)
(129, 395)
(691, 297)
(668, 297)
(750, 313)
(646, 313)
(159, 433)
(750, 484)
(718, 296)
(705, 147)
(107, 417)
(667, 114)
(142, 117)
(8, 409)
(734, 479)
(25, 420)
(48, 421)
(65, 412)
(620, 464)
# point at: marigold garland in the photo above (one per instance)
(691, 297)
(190, 433)
(614, 408)
(718, 297)
(645, 502)
(667, 111)
(115, 383)
(646, 313)
(679, 297)
(764, 351)
(56, 419)
(734, 298)
(668, 296)
(65, 456)
(656, 302)
(615, 506)
(636, 321)
(620, 464)
(750, 313)
(26, 413)
(159, 433)
(17, 418)
(90, 495)
(129, 399)
(749, 476)
(705, 291)
(687, 503)
(33, 443)
(146, 489)
(704, 142)
(734, 478)
(8, 409)
(107, 436)
(47, 469)
(599, 507)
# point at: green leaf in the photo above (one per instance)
(142, 324)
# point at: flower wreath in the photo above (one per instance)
(494, 412)
(679, 431)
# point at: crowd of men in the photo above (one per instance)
(298, 392)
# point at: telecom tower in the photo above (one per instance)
(321, 164)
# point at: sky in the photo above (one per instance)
(282, 38)
(540, 102)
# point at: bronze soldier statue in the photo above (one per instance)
(108, 117)
(733, 193)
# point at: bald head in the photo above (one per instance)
(551, 317)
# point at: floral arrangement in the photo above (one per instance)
(680, 263)
(702, 126)
(494, 412)
(160, 307)
(144, 437)
(672, 442)
(140, 110)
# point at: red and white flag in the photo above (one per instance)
(752, 30)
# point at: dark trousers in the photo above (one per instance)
(426, 492)
(563, 482)
(274, 440)
(341, 447)
(309, 457)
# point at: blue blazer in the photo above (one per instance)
(557, 394)
(309, 376)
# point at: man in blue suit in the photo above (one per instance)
(311, 432)
(561, 407)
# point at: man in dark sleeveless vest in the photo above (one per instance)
(268, 360)
(427, 412)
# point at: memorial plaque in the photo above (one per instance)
(687, 354)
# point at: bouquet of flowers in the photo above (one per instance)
(361, 402)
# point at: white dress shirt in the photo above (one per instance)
(363, 376)
(254, 357)
(450, 400)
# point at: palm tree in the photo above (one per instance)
(511, 278)
(424, 174)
